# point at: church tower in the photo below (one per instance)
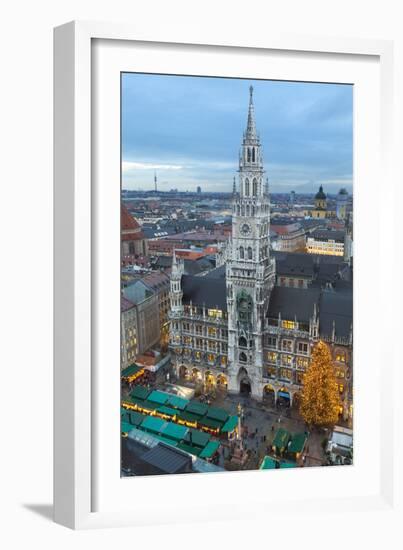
(250, 271)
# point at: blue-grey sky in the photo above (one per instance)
(189, 129)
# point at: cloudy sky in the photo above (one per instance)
(189, 130)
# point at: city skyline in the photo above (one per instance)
(188, 133)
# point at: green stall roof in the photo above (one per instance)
(209, 449)
(174, 431)
(135, 418)
(124, 415)
(297, 443)
(158, 397)
(125, 427)
(217, 413)
(177, 402)
(184, 415)
(281, 439)
(167, 410)
(189, 448)
(140, 392)
(230, 424)
(197, 438)
(153, 424)
(268, 463)
(288, 465)
(130, 370)
(194, 407)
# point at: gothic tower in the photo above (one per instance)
(250, 271)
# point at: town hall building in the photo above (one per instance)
(235, 327)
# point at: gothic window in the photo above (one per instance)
(247, 187)
(253, 210)
(249, 155)
(238, 210)
(250, 255)
(242, 357)
(241, 252)
(254, 187)
(242, 342)
(247, 210)
(253, 155)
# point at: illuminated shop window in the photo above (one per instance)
(302, 362)
(216, 313)
(272, 356)
(286, 360)
(288, 324)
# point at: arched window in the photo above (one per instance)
(238, 210)
(247, 187)
(253, 155)
(253, 210)
(241, 252)
(250, 253)
(242, 342)
(242, 357)
(248, 157)
(254, 187)
(247, 209)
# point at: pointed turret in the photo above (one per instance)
(251, 134)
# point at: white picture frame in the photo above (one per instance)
(88, 491)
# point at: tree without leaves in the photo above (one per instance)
(320, 401)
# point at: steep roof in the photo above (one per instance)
(293, 302)
(337, 306)
(130, 228)
(200, 290)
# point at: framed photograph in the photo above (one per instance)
(218, 272)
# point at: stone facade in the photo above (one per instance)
(234, 327)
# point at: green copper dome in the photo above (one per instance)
(320, 194)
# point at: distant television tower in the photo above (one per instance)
(155, 181)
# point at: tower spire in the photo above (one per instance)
(251, 133)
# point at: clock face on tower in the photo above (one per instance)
(245, 229)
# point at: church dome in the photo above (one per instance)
(343, 191)
(320, 194)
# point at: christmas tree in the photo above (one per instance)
(320, 401)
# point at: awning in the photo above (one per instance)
(158, 397)
(136, 418)
(209, 449)
(288, 465)
(140, 392)
(268, 463)
(167, 410)
(153, 424)
(177, 402)
(198, 409)
(189, 448)
(230, 424)
(174, 431)
(197, 438)
(297, 443)
(283, 394)
(217, 414)
(125, 427)
(281, 439)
